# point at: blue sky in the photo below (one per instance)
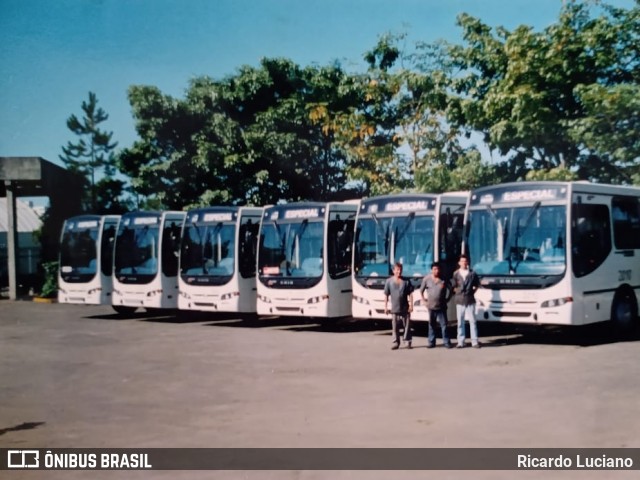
(55, 51)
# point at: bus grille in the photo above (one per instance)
(511, 314)
(288, 309)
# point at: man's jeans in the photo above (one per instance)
(437, 317)
(400, 320)
(468, 313)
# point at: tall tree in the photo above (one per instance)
(284, 155)
(247, 138)
(365, 127)
(611, 129)
(168, 165)
(395, 131)
(440, 160)
(611, 121)
(93, 157)
(527, 91)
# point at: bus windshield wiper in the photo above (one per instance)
(194, 225)
(282, 236)
(502, 232)
(298, 235)
(210, 235)
(303, 227)
(519, 233)
(407, 223)
(384, 234)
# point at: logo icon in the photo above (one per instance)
(23, 458)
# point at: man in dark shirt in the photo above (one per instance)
(401, 293)
(438, 295)
(465, 282)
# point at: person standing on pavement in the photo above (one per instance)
(438, 295)
(400, 291)
(465, 282)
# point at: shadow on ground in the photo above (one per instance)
(137, 315)
(496, 335)
(500, 335)
(22, 426)
(305, 324)
(491, 334)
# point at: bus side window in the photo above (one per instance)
(451, 224)
(591, 237)
(248, 236)
(626, 222)
(106, 249)
(340, 239)
(170, 249)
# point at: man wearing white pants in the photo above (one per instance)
(465, 282)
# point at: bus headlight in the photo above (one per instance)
(556, 302)
(264, 298)
(94, 290)
(318, 299)
(361, 300)
(154, 292)
(229, 296)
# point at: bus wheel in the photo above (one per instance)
(122, 310)
(624, 313)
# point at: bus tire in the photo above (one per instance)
(624, 313)
(122, 310)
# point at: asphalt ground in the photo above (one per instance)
(83, 377)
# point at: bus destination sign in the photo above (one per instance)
(518, 194)
(398, 205)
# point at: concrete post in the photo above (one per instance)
(12, 239)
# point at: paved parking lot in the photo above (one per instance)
(80, 376)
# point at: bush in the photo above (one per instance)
(50, 286)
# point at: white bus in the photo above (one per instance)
(86, 259)
(218, 259)
(304, 259)
(414, 229)
(565, 253)
(146, 254)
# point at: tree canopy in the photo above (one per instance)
(247, 138)
(537, 96)
(503, 105)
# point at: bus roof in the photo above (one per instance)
(575, 186)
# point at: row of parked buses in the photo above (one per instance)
(564, 253)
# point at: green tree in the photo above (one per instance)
(245, 139)
(365, 125)
(166, 164)
(440, 161)
(395, 132)
(526, 90)
(610, 129)
(611, 121)
(555, 174)
(93, 157)
(284, 155)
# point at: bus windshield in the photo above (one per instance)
(292, 249)
(380, 242)
(78, 252)
(136, 250)
(518, 241)
(207, 253)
